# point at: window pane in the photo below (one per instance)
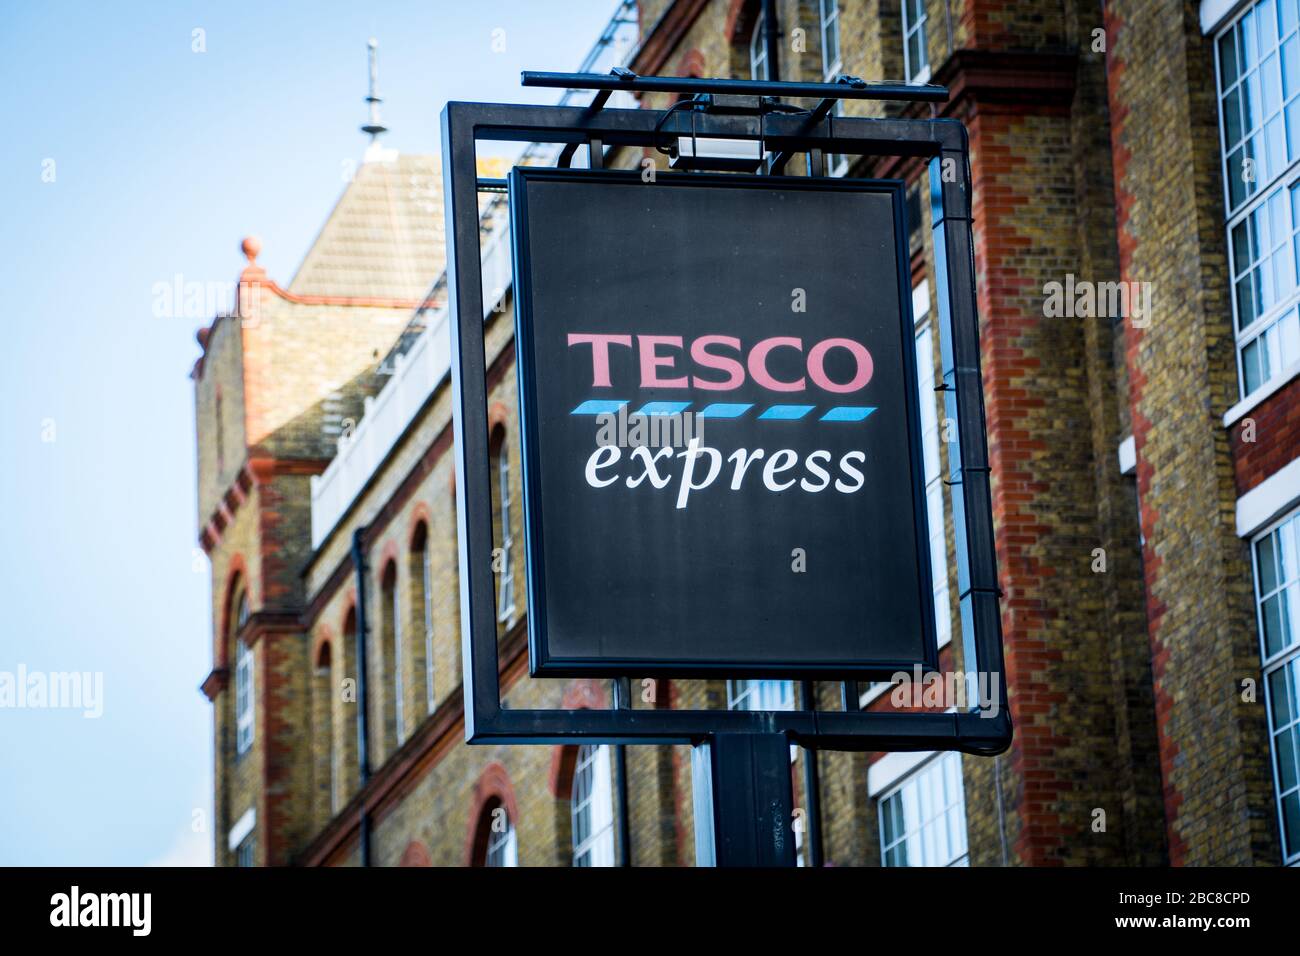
(885, 813)
(1251, 113)
(1275, 624)
(1293, 128)
(1288, 339)
(1241, 256)
(1291, 821)
(1271, 84)
(1266, 17)
(1245, 300)
(1236, 188)
(1250, 366)
(1232, 131)
(1266, 561)
(1227, 59)
(1284, 748)
(1281, 693)
(1248, 51)
(1288, 570)
(1290, 68)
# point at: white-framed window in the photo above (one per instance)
(399, 695)
(245, 853)
(916, 55)
(1258, 69)
(829, 17)
(506, 598)
(837, 164)
(923, 818)
(1277, 594)
(502, 846)
(244, 696)
(758, 50)
(426, 570)
(935, 503)
(592, 808)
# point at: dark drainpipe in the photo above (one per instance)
(812, 786)
(624, 827)
(363, 713)
(622, 701)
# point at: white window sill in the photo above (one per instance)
(1257, 397)
(242, 828)
(891, 768)
(1216, 12)
(1270, 499)
(1128, 455)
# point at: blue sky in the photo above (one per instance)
(163, 159)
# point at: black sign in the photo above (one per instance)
(722, 468)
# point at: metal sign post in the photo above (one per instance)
(741, 758)
(742, 789)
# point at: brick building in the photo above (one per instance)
(1137, 224)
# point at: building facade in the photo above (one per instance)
(1136, 216)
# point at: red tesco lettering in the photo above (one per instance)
(657, 357)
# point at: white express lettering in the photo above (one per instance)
(661, 468)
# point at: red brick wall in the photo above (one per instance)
(1276, 423)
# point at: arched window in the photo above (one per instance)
(502, 508)
(348, 716)
(500, 846)
(592, 808)
(324, 753)
(758, 67)
(391, 639)
(422, 593)
(491, 838)
(244, 720)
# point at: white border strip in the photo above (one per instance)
(891, 768)
(1214, 12)
(1268, 500)
(242, 828)
(1128, 456)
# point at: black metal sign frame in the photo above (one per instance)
(984, 727)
